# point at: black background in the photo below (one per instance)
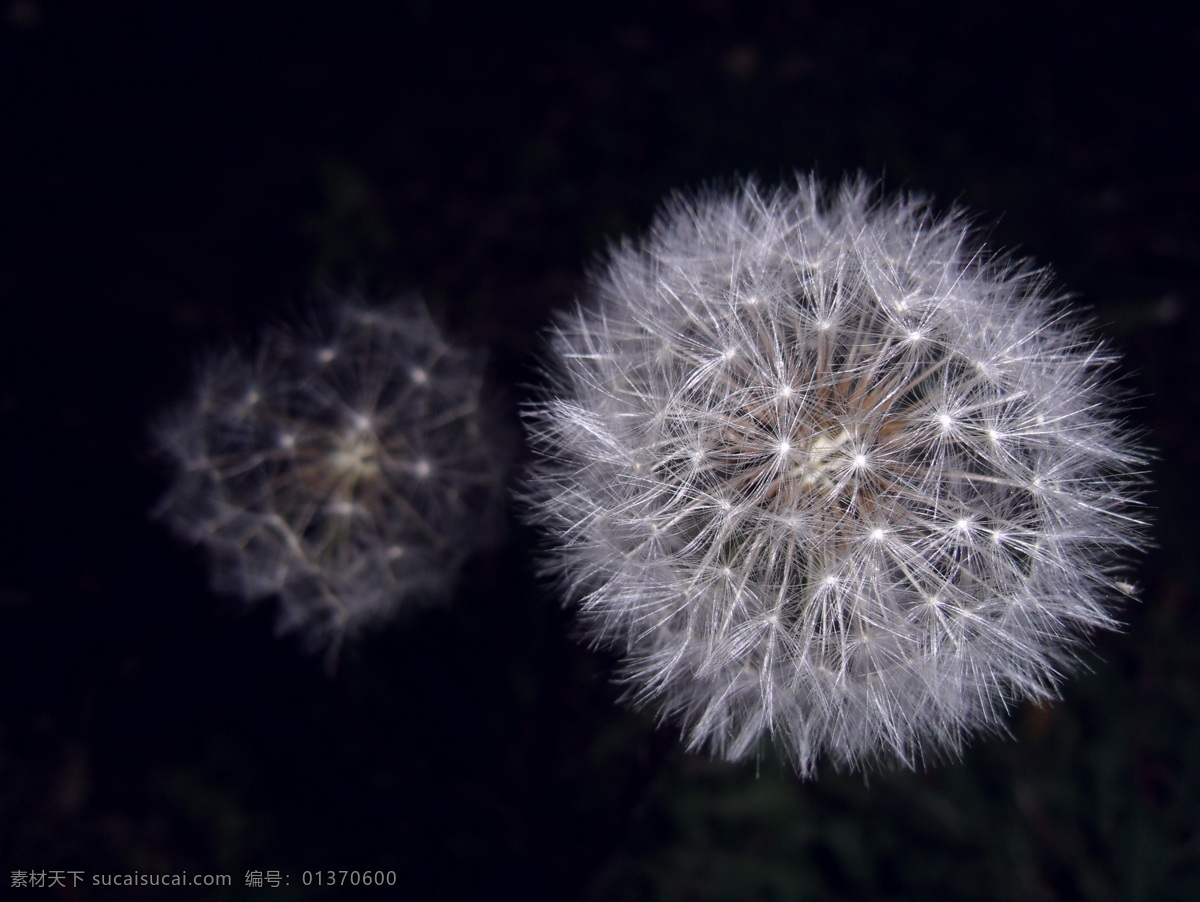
(175, 175)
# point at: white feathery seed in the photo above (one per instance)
(822, 469)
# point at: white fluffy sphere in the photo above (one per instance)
(347, 469)
(822, 469)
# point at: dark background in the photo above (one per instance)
(175, 175)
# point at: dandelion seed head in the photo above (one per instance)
(347, 470)
(860, 511)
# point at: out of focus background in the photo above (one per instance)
(173, 176)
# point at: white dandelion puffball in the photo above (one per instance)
(346, 469)
(822, 470)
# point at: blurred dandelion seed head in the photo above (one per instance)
(347, 470)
